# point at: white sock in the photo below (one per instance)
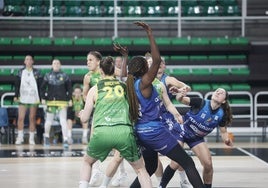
(158, 179)
(83, 184)
(69, 133)
(106, 180)
(31, 136)
(20, 133)
(183, 176)
(85, 131)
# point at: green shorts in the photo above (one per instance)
(120, 137)
(28, 105)
(54, 109)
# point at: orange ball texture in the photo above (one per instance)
(231, 136)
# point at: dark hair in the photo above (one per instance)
(96, 54)
(228, 116)
(137, 67)
(30, 56)
(107, 65)
(77, 86)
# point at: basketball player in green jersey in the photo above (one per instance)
(112, 128)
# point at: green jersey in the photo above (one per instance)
(94, 78)
(111, 107)
(158, 87)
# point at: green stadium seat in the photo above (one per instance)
(80, 71)
(73, 3)
(198, 57)
(200, 71)
(41, 41)
(21, 41)
(180, 41)
(5, 71)
(219, 41)
(63, 41)
(193, 10)
(33, 2)
(19, 57)
(225, 86)
(170, 8)
(174, 102)
(240, 71)
(62, 58)
(5, 57)
(133, 11)
(239, 41)
(80, 58)
(231, 10)
(124, 41)
(8, 102)
(217, 57)
(6, 87)
(42, 57)
(102, 41)
(5, 41)
(34, 10)
(212, 10)
(201, 87)
(207, 2)
(83, 41)
(181, 72)
(227, 2)
(168, 71)
(141, 41)
(240, 87)
(45, 70)
(163, 41)
(200, 41)
(68, 71)
(189, 2)
(74, 11)
(220, 71)
(237, 57)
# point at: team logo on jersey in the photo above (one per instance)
(203, 115)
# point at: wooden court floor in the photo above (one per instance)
(243, 166)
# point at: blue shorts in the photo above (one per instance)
(182, 136)
(156, 136)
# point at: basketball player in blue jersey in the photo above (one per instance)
(202, 118)
(145, 102)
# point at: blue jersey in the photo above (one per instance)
(149, 128)
(149, 108)
(198, 125)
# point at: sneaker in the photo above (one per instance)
(120, 179)
(46, 141)
(185, 184)
(19, 140)
(96, 176)
(70, 141)
(31, 142)
(65, 144)
(84, 140)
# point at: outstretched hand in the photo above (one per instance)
(145, 26)
(123, 50)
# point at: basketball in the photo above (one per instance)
(231, 136)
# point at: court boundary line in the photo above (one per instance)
(253, 156)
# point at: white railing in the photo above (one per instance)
(249, 105)
(259, 104)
